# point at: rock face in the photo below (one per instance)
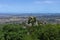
(32, 20)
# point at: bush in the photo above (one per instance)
(40, 32)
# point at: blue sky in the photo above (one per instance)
(29, 6)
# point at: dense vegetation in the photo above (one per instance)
(20, 32)
(34, 32)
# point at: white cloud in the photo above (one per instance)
(48, 2)
(43, 2)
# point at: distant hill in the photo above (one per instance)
(30, 14)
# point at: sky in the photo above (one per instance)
(29, 6)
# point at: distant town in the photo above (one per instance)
(20, 18)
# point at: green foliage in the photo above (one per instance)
(20, 32)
